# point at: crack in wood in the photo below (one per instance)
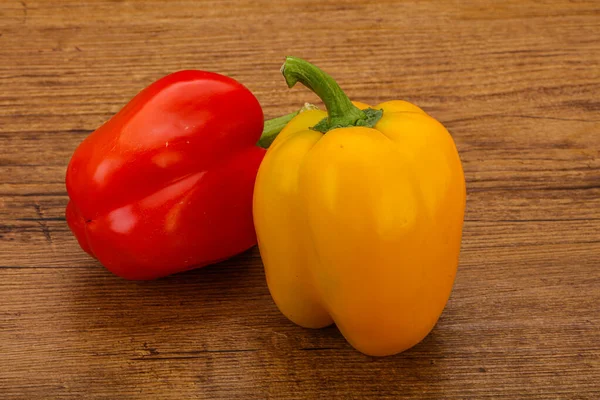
(25, 8)
(42, 221)
(196, 354)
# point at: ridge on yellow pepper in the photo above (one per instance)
(359, 214)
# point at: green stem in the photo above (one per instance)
(274, 126)
(340, 110)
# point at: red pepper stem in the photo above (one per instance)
(275, 125)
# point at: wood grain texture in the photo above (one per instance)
(517, 83)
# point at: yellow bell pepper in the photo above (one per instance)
(359, 215)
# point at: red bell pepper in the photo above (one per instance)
(166, 184)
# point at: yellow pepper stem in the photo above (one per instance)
(340, 110)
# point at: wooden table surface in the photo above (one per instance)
(517, 83)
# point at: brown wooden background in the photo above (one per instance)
(516, 82)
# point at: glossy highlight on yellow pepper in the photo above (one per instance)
(361, 225)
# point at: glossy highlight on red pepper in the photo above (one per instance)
(166, 184)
